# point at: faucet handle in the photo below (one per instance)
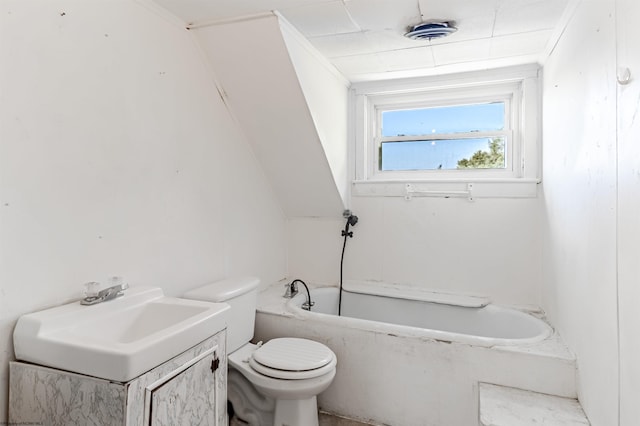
(116, 284)
(115, 281)
(90, 289)
(291, 289)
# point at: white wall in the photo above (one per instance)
(117, 156)
(489, 247)
(579, 181)
(627, 18)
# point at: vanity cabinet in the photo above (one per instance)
(185, 396)
(189, 389)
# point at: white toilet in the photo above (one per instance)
(289, 371)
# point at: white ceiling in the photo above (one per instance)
(364, 38)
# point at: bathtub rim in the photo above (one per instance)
(404, 291)
(293, 306)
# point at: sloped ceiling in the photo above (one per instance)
(364, 38)
(261, 85)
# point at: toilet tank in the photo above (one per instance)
(241, 294)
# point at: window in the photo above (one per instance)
(479, 128)
(454, 137)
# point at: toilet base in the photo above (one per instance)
(294, 412)
(248, 404)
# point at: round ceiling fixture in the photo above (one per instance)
(430, 30)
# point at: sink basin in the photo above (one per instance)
(120, 339)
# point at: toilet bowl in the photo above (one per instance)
(290, 371)
(302, 369)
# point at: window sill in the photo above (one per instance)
(458, 188)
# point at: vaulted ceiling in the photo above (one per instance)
(364, 39)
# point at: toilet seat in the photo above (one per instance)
(293, 359)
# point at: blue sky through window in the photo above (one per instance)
(451, 119)
(434, 154)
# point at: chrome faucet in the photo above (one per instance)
(290, 290)
(105, 295)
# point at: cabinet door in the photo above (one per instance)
(186, 396)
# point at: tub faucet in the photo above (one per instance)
(105, 295)
(292, 290)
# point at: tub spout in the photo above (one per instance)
(308, 304)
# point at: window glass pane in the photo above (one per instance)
(448, 154)
(450, 119)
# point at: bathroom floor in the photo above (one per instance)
(329, 420)
(324, 420)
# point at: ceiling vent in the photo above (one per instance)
(430, 30)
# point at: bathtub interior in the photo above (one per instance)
(498, 324)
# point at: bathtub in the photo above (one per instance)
(425, 369)
(429, 315)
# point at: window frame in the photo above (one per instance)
(518, 86)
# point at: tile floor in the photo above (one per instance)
(329, 420)
(324, 420)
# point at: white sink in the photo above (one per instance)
(119, 339)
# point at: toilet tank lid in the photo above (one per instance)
(221, 291)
